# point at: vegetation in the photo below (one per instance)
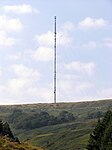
(101, 138)
(54, 130)
(5, 130)
(7, 144)
(69, 136)
(27, 121)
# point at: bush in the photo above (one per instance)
(36, 120)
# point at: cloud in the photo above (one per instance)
(23, 86)
(63, 34)
(19, 83)
(6, 41)
(81, 67)
(104, 43)
(15, 90)
(47, 39)
(19, 91)
(45, 43)
(24, 90)
(44, 94)
(14, 56)
(65, 85)
(43, 54)
(25, 72)
(10, 24)
(75, 81)
(68, 26)
(19, 9)
(64, 39)
(68, 76)
(74, 89)
(83, 86)
(67, 81)
(92, 23)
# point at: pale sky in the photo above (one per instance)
(84, 50)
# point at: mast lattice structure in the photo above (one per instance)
(55, 58)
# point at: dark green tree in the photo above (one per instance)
(65, 116)
(101, 138)
(1, 126)
(95, 137)
(7, 131)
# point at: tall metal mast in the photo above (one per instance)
(55, 59)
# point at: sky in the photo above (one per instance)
(84, 50)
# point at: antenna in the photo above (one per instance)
(55, 59)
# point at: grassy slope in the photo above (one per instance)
(68, 136)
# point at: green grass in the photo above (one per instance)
(69, 135)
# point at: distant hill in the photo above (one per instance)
(73, 134)
(78, 108)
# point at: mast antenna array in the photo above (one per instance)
(55, 59)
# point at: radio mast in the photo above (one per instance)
(55, 59)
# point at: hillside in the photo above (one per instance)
(80, 109)
(71, 135)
